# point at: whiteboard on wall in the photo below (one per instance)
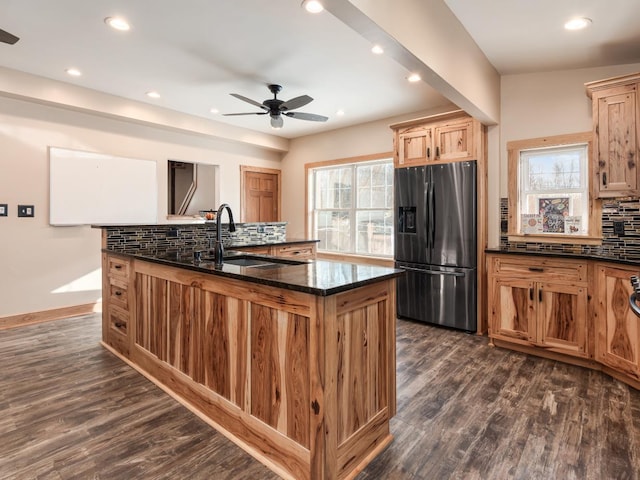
(93, 188)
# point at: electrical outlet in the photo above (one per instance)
(4, 209)
(173, 233)
(618, 227)
(26, 210)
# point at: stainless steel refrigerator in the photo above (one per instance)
(436, 243)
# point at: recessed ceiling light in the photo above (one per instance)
(340, 112)
(214, 110)
(377, 49)
(153, 94)
(414, 77)
(118, 23)
(312, 6)
(74, 72)
(577, 23)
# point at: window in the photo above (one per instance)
(549, 189)
(351, 206)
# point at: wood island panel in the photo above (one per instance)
(304, 383)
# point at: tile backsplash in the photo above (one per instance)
(191, 236)
(625, 247)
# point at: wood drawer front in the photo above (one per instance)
(119, 342)
(117, 267)
(118, 293)
(255, 250)
(295, 251)
(541, 269)
(118, 321)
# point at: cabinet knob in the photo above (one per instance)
(118, 293)
(604, 178)
(536, 269)
(428, 152)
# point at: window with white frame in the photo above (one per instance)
(352, 207)
(550, 188)
(554, 190)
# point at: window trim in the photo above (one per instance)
(594, 236)
(308, 223)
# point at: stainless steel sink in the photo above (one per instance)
(255, 261)
(247, 262)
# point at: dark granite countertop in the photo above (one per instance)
(573, 256)
(317, 277)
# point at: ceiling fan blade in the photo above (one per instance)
(248, 113)
(306, 116)
(277, 122)
(297, 102)
(6, 37)
(248, 100)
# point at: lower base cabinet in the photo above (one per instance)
(539, 303)
(567, 309)
(618, 344)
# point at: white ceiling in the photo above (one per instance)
(523, 36)
(196, 52)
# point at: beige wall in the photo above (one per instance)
(551, 103)
(365, 139)
(532, 105)
(44, 267)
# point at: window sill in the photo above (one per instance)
(348, 257)
(556, 238)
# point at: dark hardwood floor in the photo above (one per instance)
(71, 410)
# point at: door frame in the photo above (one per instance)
(244, 169)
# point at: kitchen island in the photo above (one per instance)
(295, 361)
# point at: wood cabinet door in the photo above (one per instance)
(618, 331)
(513, 310)
(415, 147)
(616, 143)
(562, 318)
(454, 142)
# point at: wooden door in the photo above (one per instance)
(562, 318)
(616, 143)
(513, 310)
(454, 142)
(414, 147)
(260, 194)
(618, 333)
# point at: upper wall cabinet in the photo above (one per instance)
(448, 137)
(616, 128)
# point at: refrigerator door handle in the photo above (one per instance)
(433, 272)
(432, 204)
(427, 212)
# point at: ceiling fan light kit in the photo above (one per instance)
(275, 107)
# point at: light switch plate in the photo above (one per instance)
(26, 210)
(4, 209)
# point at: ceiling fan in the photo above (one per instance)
(6, 37)
(275, 107)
